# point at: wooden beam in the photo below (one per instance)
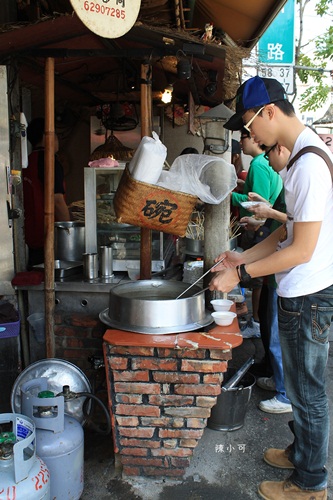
(49, 209)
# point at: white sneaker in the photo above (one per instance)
(251, 330)
(275, 406)
(266, 383)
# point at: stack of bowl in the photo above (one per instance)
(222, 314)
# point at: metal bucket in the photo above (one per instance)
(69, 240)
(230, 410)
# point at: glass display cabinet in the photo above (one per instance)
(101, 227)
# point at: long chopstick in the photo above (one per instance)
(217, 263)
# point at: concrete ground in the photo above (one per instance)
(226, 465)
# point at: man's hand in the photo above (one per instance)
(231, 259)
(224, 281)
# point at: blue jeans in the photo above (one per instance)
(304, 324)
(274, 345)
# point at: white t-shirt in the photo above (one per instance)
(309, 198)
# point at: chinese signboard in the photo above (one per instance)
(276, 46)
(107, 18)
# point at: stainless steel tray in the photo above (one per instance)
(64, 268)
(105, 318)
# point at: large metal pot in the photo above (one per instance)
(69, 240)
(151, 307)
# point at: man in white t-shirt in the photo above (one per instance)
(300, 255)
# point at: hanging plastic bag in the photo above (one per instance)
(209, 178)
(148, 160)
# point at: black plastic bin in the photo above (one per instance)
(229, 412)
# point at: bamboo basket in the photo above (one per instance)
(153, 207)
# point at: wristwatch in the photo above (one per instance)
(244, 277)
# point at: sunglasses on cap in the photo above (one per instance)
(266, 155)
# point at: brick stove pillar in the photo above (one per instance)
(161, 390)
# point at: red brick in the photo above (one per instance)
(155, 462)
(67, 331)
(163, 352)
(143, 410)
(176, 377)
(136, 432)
(172, 452)
(149, 471)
(129, 398)
(170, 443)
(132, 351)
(188, 443)
(189, 412)
(224, 354)
(78, 319)
(135, 452)
(73, 353)
(213, 378)
(131, 471)
(171, 400)
(204, 366)
(191, 354)
(74, 342)
(130, 376)
(154, 364)
(140, 443)
(137, 388)
(196, 423)
(180, 433)
(163, 422)
(180, 462)
(117, 363)
(200, 389)
(206, 401)
(165, 388)
(130, 421)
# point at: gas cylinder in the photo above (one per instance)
(59, 438)
(23, 475)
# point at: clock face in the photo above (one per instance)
(107, 18)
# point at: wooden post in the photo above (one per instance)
(146, 130)
(49, 208)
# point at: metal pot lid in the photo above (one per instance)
(105, 318)
(59, 373)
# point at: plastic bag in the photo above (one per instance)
(209, 178)
(148, 160)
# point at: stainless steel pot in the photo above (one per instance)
(194, 247)
(151, 307)
(69, 240)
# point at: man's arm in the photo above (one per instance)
(263, 260)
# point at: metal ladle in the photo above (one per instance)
(217, 263)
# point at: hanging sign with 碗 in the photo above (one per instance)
(107, 18)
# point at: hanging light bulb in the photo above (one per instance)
(167, 94)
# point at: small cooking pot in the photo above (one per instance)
(69, 240)
(150, 306)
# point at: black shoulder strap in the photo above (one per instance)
(315, 150)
